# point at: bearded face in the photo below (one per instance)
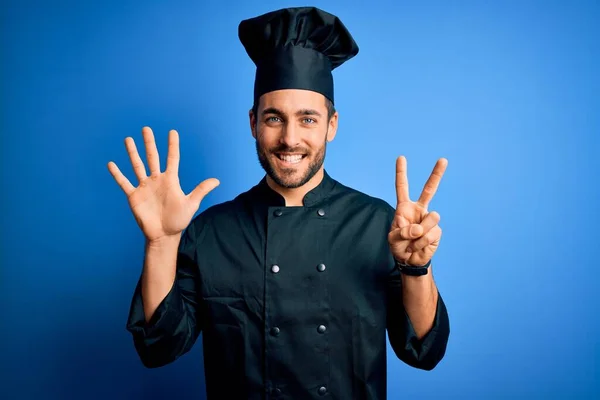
(292, 128)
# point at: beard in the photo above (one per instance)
(286, 177)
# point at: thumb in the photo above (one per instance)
(411, 231)
(205, 187)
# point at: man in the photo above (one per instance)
(295, 282)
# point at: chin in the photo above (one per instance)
(290, 178)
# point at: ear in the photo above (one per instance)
(252, 118)
(333, 125)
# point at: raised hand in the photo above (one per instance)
(159, 206)
(415, 234)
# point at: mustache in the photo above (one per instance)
(286, 149)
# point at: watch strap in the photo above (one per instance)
(413, 270)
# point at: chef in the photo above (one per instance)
(295, 282)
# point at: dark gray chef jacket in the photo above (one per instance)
(292, 302)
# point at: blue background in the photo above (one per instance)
(508, 91)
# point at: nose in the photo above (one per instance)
(290, 135)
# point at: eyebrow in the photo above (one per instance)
(302, 112)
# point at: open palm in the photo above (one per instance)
(415, 234)
(158, 204)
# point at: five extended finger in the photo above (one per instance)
(173, 152)
(136, 161)
(151, 151)
(433, 182)
(198, 194)
(121, 180)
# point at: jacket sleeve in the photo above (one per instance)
(176, 323)
(427, 352)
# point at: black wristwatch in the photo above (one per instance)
(413, 270)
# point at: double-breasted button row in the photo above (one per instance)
(275, 330)
(275, 268)
(279, 213)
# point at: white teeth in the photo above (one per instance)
(291, 159)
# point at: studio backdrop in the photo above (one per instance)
(507, 91)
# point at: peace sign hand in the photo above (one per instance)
(415, 234)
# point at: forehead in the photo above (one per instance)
(289, 100)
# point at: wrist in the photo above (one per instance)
(164, 241)
(412, 270)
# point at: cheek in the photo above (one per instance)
(266, 139)
(263, 144)
(316, 144)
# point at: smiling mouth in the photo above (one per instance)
(290, 158)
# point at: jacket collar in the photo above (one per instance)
(269, 196)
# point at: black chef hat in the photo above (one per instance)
(296, 48)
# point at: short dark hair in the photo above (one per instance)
(328, 104)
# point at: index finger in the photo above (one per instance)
(401, 180)
(433, 182)
(173, 152)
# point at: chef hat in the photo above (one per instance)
(296, 48)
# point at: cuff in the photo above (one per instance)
(166, 317)
(430, 349)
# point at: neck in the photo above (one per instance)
(294, 197)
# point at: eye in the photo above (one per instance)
(309, 121)
(273, 119)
